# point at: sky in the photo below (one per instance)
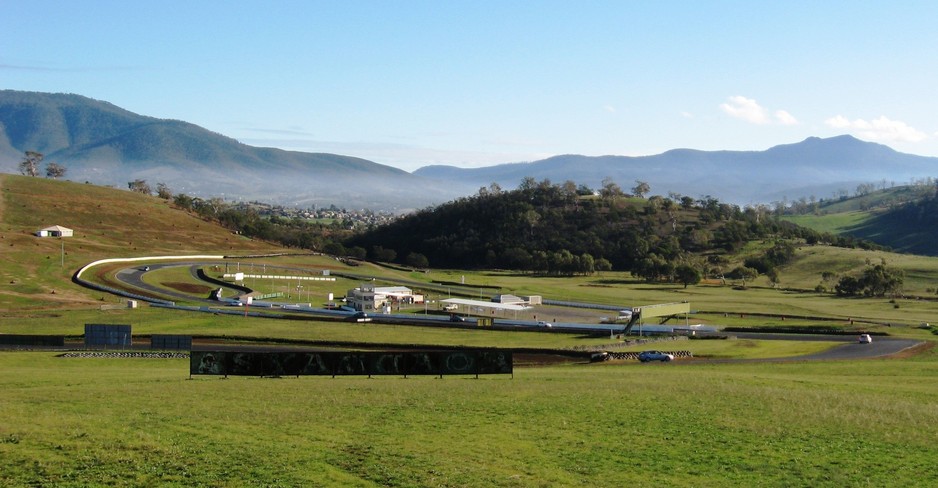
(476, 83)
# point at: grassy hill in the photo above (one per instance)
(897, 218)
(107, 223)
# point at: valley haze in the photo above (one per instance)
(101, 143)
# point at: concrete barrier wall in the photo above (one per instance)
(282, 277)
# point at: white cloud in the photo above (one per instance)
(687, 115)
(879, 129)
(838, 122)
(746, 109)
(749, 110)
(785, 118)
(609, 108)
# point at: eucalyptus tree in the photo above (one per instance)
(54, 170)
(29, 166)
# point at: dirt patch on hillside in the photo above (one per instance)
(914, 350)
(194, 288)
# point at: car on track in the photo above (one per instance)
(865, 339)
(359, 317)
(542, 323)
(646, 356)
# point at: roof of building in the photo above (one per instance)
(393, 290)
(484, 304)
(55, 228)
(505, 298)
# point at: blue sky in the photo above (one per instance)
(475, 83)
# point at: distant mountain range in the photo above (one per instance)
(818, 167)
(105, 144)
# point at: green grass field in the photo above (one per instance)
(833, 223)
(132, 422)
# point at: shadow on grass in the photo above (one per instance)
(612, 281)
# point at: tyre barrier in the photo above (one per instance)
(620, 356)
(125, 354)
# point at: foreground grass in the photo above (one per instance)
(80, 422)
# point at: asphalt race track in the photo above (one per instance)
(881, 346)
(849, 349)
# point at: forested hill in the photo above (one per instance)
(553, 229)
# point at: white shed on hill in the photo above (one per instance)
(55, 231)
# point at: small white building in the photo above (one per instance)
(508, 299)
(55, 231)
(370, 297)
(516, 300)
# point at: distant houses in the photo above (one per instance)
(55, 231)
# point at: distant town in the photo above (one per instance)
(354, 219)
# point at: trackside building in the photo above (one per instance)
(368, 297)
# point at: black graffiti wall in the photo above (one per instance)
(370, 363)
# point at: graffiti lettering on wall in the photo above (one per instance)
(371, 363)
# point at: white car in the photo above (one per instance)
(865, 339)
(541, 323)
